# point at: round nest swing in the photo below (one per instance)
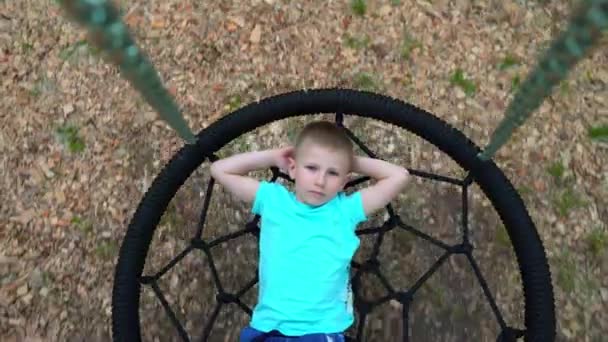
(487, 176)
(345, 107)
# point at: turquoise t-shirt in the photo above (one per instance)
(305, 255)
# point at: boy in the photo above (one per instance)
(307, 238)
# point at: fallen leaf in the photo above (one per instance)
(22, 290)
(60, 197)
(514, 12)
(133, 19)
(158, 23)
(239, 21)
(45, 168)
(256, 34)
(179, 50)
(540, 186)
(230, 26)
(346, 22)
(62, 223)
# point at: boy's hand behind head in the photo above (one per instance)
(284, 157)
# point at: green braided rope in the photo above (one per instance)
(108, 33)
(584, 30)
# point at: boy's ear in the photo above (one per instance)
(291, 167)
(291, 162)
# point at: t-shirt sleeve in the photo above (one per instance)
(353, 206)
(261, 197)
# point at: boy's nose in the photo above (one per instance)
(320, 179)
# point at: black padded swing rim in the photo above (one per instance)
(528, 247)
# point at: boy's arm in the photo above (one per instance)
(230, 172)
(391, 180)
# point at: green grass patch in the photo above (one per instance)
(359, 7)
(507, 62)
(434, 293)
(567, 200)
(41, 86)
(598, 133)
(47, 278)
(575, 278)
(407, 81)
(515, 83)
(36, 89)
(458, 312)
(564, 87)
(458, 79)
(68, 136)
(557, 171)
(27, 48)
(366, 81)
(502, 237)
(357, 43)
(82, 224)
(106, 250)
(566, 272)
(408, 44)
(171, 218)
(597, 242)
(405, 241)
(234, 102)
(525, 190)
(70, 50)
(80, 47)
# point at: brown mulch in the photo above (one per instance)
(63, 213)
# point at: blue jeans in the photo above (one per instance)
(250, 334)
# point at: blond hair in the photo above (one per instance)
(326, 134)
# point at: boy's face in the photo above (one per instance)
(319, 173)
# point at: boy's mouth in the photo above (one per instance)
(316, 193)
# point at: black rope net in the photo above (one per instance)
(375, 288)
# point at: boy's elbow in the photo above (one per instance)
(404, 178)
(214, 169)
